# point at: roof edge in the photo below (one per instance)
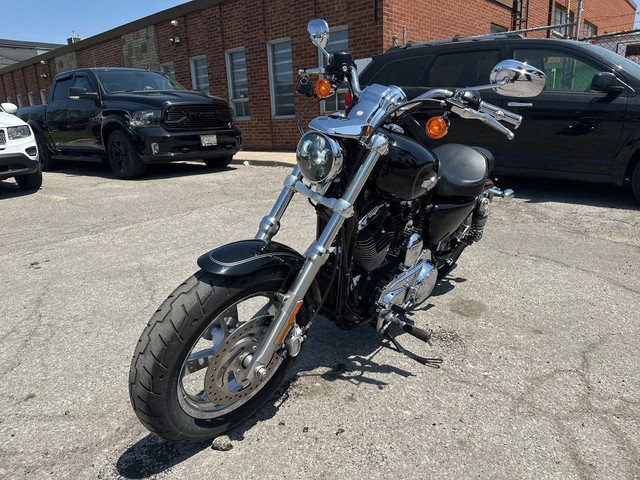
(169, 14)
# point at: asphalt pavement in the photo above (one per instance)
(538, 329)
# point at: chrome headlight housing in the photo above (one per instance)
(145, 118)
(319, 157)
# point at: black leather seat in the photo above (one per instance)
(462, 170)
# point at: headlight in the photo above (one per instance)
(144, 118)
(319, 157)
(23, 131)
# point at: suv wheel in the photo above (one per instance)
(31, 181)
(123, 157)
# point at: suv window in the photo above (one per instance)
(462, 69)
(564, 71)
(404, 72)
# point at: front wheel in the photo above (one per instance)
(123, 157)
(185, 379)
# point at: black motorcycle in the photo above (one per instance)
(393, 216)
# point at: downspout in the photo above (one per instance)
(550, 18)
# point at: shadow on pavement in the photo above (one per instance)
(350, 357)
(537, 190)
(152, 455)
(153, 172)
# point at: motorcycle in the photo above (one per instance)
(393, 216)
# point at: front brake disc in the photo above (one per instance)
(222, 383)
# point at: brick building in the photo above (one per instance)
(247, 51)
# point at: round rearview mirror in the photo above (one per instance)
(319, 32)
(517, 79)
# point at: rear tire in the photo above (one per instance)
(165, 388)
(219, 162)
(123, 156)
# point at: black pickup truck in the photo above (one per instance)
(130, 118)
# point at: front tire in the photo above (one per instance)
(200, 333)
(31, 181)
(123, 156)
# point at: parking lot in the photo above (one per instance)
(538, 328)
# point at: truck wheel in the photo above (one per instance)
(31, 181)
(48, 164)
(123, 157)
(635, 181)
(219, 162)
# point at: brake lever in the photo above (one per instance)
(470, 113)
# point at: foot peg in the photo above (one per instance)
(507, 193)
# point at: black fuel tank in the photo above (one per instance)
(400, 173)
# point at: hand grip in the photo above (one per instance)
(501, 114)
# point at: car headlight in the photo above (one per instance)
(319, 157)
(23, 131)
(145, 118)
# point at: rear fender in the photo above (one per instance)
(248, 256)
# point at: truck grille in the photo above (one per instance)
(3, 138)
(197, 117)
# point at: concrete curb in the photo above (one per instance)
(269, 159)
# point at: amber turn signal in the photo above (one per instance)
(323, 88)
(436, 127)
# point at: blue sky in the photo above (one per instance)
(53, 21)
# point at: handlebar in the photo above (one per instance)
(500, 114)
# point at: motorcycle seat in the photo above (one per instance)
(462, 170)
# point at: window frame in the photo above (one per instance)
(194, 76)
(563, 32)
(272, 86)
(335, 98)
(230, 83)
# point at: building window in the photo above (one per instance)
(495, 28)
(238, 83)
(43, 96)
(338, 41)
(281, 77)
(169, 70)
(19, 100)
(589, 30)
(561, 18)
(200, 74)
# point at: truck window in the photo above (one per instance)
(83, 82)
(464, 69)
(61, 89)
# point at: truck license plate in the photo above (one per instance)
(208, 140)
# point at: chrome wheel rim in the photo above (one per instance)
(209, 384)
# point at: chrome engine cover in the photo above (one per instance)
(410, 288)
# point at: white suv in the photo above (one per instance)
(18, 150)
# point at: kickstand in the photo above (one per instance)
(429, 362)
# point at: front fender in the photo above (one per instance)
(248, 256)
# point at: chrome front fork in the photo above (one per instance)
(315, 256)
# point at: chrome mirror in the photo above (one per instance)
(319, 33)
(517, 79)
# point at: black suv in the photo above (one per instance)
(585, 125)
